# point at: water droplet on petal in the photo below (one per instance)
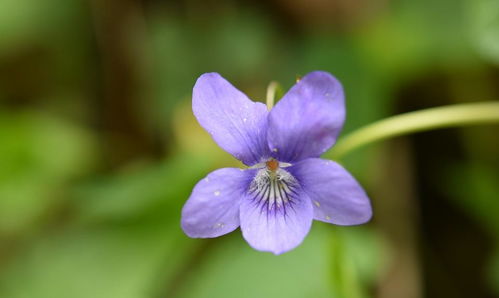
(217, 193)
(317, 204)
(219, 225)
(328, 217)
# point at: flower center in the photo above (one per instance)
(273, 188)
(272, 165)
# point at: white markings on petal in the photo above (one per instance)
(284, 164)
(216, 193)
(273, 191)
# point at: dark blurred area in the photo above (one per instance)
(99, 148)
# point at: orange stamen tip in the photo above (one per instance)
(272, 165)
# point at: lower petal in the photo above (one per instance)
(213, 207)
(337, 197)
(276, 227)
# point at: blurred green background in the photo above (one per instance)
(99, 149)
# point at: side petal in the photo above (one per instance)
(307, 120)
(336, 196)
(212, 209)
(267, 227)
(236, 123)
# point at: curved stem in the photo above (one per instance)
(428, 119)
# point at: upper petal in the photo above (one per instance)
(276, 219)
(213, 207)
(336, 195)
(307, 120)
(236, 123)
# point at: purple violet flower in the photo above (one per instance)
(286, 185)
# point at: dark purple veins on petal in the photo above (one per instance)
(273, 192)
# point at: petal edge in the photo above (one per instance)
(212, 209)
(276, 231)
(236, 123)
(308, 119)
(337, 197)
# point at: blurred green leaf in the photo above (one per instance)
(356, 261)
(128, 242)
(99, 262)
(233, 269)
(235, 46)
(493, 269)
(141, 189)
(39, 154)
(476, 189)
(483, 16)
(27, 21)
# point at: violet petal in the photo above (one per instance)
(276, 230)
(213, 207)
(236, 123)
(336, 196)
(307, 120)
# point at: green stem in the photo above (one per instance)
(271, 93)
(428, 119)
(274, 93)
